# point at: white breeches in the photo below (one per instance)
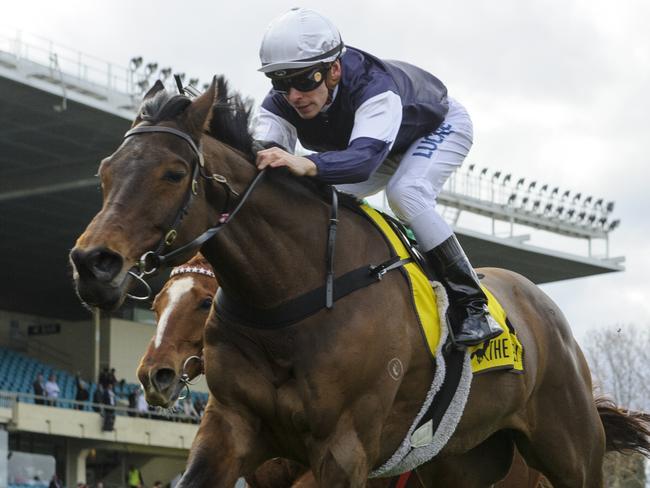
(413, 183)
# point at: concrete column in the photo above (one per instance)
(96, 342)
(4, 453)
(75, 464)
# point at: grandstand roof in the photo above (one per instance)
(48, 194)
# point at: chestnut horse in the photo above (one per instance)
(174, 357)
(317, 389)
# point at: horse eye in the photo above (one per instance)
(207, 303)
(174, 176)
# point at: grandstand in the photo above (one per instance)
(18, 372)
(62, 111)
(40, 415)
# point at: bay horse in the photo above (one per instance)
(174, 357)
(318, 390)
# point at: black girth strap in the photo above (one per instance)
(305, 305)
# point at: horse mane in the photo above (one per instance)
(230, 121)
(229, 124)
(163, 105)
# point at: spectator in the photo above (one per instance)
(141, 404)
(98, 397)
(133, 401)
(82, 394)
(100, 484)
(39, 389)
(112, 379)
(157, 484)
(55, 482)
(109, 411)
(52, 390)
(103, 377)
(134, 478)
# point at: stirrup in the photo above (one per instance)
(493, 331)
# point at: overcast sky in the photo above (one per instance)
(557, 89)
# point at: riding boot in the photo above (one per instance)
(468, 313)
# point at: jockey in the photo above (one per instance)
(374, 125)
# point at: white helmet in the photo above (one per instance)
(298, 39)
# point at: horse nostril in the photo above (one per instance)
(100, 263)
(163, 378)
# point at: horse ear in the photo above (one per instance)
(157, 86)
(198, 114)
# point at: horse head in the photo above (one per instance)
(174, 354)
(154, 188)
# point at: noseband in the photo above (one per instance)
(151, 261)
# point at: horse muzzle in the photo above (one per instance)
(96, 274)
(162, 386)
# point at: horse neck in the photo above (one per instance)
(275, 247)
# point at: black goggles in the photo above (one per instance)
(303, 80)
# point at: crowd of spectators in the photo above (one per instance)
(104, 401)
(107, 377)
(105, 398)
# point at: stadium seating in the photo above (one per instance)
(18, 373)
(27, 485)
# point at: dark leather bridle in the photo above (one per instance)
(151, 261)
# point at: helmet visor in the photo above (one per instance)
(303, 80)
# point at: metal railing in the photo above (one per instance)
(538, 205)
(72, 62)
(502, 198)
(9, 398)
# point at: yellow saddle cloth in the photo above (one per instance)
(502, 352)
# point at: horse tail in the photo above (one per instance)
(625, 430)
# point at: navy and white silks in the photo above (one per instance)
(389, 126)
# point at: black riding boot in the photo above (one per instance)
(468, 312)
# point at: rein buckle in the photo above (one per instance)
(170, 237)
